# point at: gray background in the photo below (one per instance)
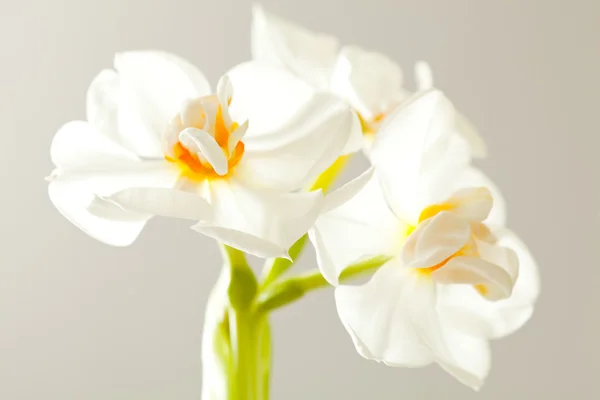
(81, 320)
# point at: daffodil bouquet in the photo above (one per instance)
(253, 164)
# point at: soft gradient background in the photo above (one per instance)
(82, 321)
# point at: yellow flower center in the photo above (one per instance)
(197, 168)
(370, 126)
(469, 249)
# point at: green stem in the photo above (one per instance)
(274, 268)
(233, 257)
(249, 340)
(292, 289)
(236, 344)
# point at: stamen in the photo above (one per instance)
(237, 134)
(202, 140)
(192, 114)
(433, 210)
(224, 94)
(221, 130)
(211, 108)
(204, 144)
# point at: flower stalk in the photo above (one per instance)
(276, 267)
(236, 347)
(289, 290)
(236, 351)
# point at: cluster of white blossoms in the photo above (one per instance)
(238, 162)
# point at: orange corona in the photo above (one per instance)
(193, 168)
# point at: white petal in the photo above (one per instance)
(262, 223)
(423, 76)
(407, 152)
(177, 78)
(473, 177)
(434, 240)
(90, 164)
(391, 318)
(210, 107)
(110, 211)
(102, 105)
(473, 203)
(72, 200)
(224, 94)
(470, 357)
(442, 167)
(350, 189)
(164, 202)
(294, 156)
(192, 114)
(493, 282)
(142, 121)
(75, 194)
(308, 55)
(424, 79)
(113, 179)
(465, 128)
(243, 241)
(114, 107)
(370, 81)
(357, 225)
(153, 87)
(463, 307)
(224, 90)
(504, 257)
(265, 95)
(202, 142)
(78, 145)
(301, 211)
(237, 135)
(357, 141)
(527, 286)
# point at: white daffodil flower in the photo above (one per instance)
(158, 142)
(369, 81)
(455, 278)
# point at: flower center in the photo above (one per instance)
(371, 125)
(455, 230)
(469, 249)
(203, 141)
(196, 169)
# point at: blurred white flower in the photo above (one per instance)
(369, 81)
(157, 142)
(456, 277)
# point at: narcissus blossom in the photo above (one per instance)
(368, 81)
(157, 141)
(456, 277)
